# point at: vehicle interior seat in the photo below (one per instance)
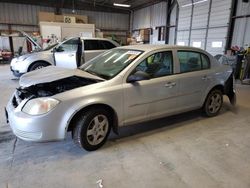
(166, 66)
(193, 64)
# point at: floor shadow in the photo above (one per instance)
(52, 151)
(157, 125)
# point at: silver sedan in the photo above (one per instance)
(122, 86)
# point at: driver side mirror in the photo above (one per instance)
(58, 49)
(138, 76)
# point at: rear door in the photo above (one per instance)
(68, 54)
(194, 78)
(94, 47)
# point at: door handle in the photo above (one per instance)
(71, 55)
(170, 84)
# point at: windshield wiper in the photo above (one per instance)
(96, 74)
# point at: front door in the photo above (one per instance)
(68, 54)
(153, 98)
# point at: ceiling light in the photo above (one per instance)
(121, 5)
(197, 2)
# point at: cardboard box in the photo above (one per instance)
(51, 17)
(46, 16)
(79, 18)
(58, 18)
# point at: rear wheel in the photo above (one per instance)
(92, 129)
(213, 103)
(38, 65)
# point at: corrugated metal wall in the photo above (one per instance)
(150, 17)
(241, 35)
(204, 25)
(21, 14)
(104, 20)
(28, 14)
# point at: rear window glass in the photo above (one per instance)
(98, 45)
(192, 61)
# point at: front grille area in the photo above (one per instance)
(17, 98)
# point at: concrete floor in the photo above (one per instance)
(187, 150)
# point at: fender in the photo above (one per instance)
(229, 89)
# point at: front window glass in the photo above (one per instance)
(157, 65)
(69, 46)
(110, 63)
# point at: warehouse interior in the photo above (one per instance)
(183, 150)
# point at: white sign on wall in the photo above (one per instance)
(69, 19)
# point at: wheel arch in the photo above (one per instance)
(38, 61)
(218, 86)
(75, 115)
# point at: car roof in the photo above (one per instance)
(152, 47)
(93, 38)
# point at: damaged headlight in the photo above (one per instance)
(40, 106)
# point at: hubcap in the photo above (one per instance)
(214, 103)
(97, 129)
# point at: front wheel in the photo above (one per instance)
(92, 129)
(38, 65)
(213, 103)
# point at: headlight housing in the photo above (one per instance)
(40, 106)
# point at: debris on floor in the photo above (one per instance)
(99, 183)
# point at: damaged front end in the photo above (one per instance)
(50, 88)
(229, 89)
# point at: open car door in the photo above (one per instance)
(68, 54)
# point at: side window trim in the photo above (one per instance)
(208, 60)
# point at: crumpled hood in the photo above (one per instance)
(52, 73)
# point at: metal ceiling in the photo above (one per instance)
(93, 5)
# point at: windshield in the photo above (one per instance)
(110, 63)
(50, 47)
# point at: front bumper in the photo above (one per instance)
(16, 73)
(34, 128)
(18, 68)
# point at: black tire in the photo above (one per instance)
(38, 65)
(213, 103)
(88, 122)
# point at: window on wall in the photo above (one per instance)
(192, 61)
(217, 44)
(145, 35)
(181, 43)
(161, 33)
(197, 44)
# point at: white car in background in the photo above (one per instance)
(122, 86)
(70, 53)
